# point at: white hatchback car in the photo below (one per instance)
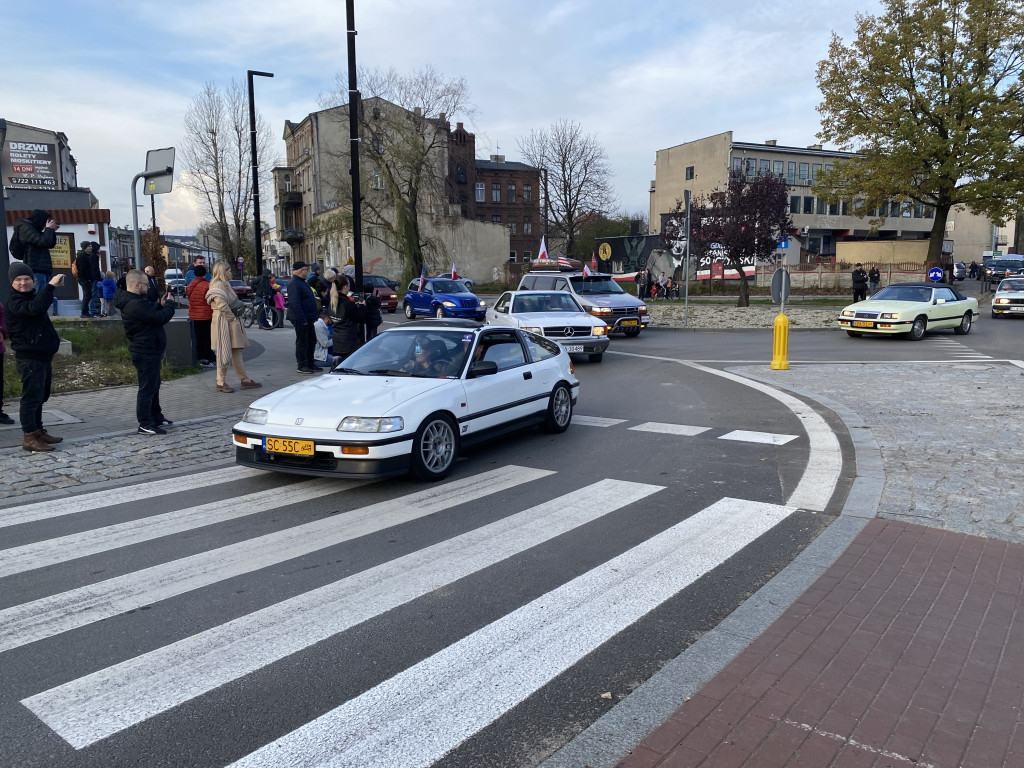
(408, 400)
(553, 314)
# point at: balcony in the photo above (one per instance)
(291, 199)
(294, 235)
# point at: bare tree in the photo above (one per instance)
(216, 160)
(404, 129)
(578, 178)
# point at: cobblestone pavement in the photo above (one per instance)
(723, 316)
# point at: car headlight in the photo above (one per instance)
(642, 308)
(483, 303)
(848, 313)
(890, 316)
(1002, 301)
(533, 329)
(448, 303)
(600, 330)
(365, 424)
(599, 310)
(255, 416)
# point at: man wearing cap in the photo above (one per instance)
(87, 278)
(34, 342)
(860, 283)
(38, 234)
(302, 314)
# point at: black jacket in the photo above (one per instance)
(38, 240)
(144, 322)
(860, 279)
(88, 267)
(347, 326)
(32, 333)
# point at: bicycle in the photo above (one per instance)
(265, 314)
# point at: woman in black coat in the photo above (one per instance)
(348, 318)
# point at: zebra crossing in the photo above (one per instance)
(414, 717)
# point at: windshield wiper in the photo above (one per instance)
(388, 372)
(348, 370)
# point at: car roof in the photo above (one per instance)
(540, 291)
(917, 285)
(447, 323)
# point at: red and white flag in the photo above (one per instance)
(593, 260)
(543, 250)
(586, 271)
(455, 275)
(563, 262)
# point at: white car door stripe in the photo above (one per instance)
(96, 706)
(52, 615)
(419, 715)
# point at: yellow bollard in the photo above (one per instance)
(781, 346)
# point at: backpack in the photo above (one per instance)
(16, 246)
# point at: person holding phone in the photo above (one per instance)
(34, 342)
(38, 234)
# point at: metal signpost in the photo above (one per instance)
(159, 176)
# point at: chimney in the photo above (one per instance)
(814, 146)
(458, 127)
(497, 158)
(771, 142)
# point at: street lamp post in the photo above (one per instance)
(5, 257)
(257, 230)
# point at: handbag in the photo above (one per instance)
(237, 307)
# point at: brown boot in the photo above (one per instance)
(47, 438)
(31, 442)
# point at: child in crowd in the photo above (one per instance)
(109, 288)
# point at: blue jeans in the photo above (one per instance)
(39, 279)
(147, 403)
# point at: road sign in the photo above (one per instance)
(935, 274)
(159, 173)
(780, 286)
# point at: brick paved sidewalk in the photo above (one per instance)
(908, 651)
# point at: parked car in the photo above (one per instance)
(409, 400)
(999, 269)
(555, 315)
(1009, 298)
(176, 286)
(383, 289)
(442, 297)
(241, 289)
(448, 276)
(959, 271)
(912, 309)
(597, 293)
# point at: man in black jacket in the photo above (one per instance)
(860, 283)
(38, 234)
(34, 342)
(144, 323)
(87, 277)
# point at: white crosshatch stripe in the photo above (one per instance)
(470, 684)
(757, 437)
(595, 421)
(670, 429)
(94, 707)
(48, 616)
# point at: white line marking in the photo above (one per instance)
(42, 510)
(73, 546)
(858, 745)
(422, 713)
(94, 707)
(757, 437)
(53, 615)
(595, 421)
(670, 429)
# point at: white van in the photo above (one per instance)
(173, 274)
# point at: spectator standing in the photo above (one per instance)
(152, 286)
(374, 318)
(34, 342)
(227, 335)
(302, 314)
(4, 337)
(348, 318)
(874, 277)
(860, 283)
(38, 234)
(973, 271)
(95, 302)
(144, 322)
(109, 288)
(638, 279)
(190, 275)
(200, 314)
(87, 278)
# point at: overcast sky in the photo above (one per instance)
(117, 77)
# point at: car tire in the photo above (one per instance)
(439, 312)
(559, 409)
(855, 334)
(918, 328)
(633, 332)
(596, 357)
(392, 311)
(965, 325)
(407, 308)
(435, 448)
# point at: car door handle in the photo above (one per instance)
(527, 375)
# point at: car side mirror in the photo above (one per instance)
(503, 310)
(483, 368)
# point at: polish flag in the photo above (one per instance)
(543, 250)
(455, 275)
(586, 271)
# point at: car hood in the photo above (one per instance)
(322, 402)
(556, 318)
(600, 300)
(874, 305)
(456, 296)
(1008, 295)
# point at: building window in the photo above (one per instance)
(833, 209)
(794, 204)
(496, 192)
(527, 255)
(894, 208)
(828, 167)
(527, 227)
(918, 210)
(751, 166)
(512, 226)
(816, 170)
(689, 172)
(766, 167)
(460, 173)
(527, 193)
(791, 173)
(512, 256)
(778, 168)
(846, 207)
(496, 219)
(510, 193)
(479, 191)
(822, 206)
(808, 205)
(805, 169)
(737, 163)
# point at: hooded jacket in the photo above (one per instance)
(32, 334)
(88, 264)
(144, 322)
(38, 241)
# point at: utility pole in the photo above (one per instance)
(257, 229)
(353, 134)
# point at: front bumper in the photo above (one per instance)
(875, 326)
(591, 346)
(383, 459)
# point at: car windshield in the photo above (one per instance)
(591, 286)
(373, 281)
(1004, 264)
(432, 354)
(1011, 285)
(545, 302)
(449, 286)
(903, 293)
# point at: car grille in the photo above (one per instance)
(867, 315)
(467, 303)
(318, 461)
(1010, 302)
(620, 311)
(562, 331)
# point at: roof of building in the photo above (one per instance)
(491, 165)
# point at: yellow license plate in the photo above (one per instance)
(283, 445)
(629, 322)
(863, 324)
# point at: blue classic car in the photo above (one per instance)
(442, 297)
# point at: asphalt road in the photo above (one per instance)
(484, 621)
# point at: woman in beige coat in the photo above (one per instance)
(226, 333)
